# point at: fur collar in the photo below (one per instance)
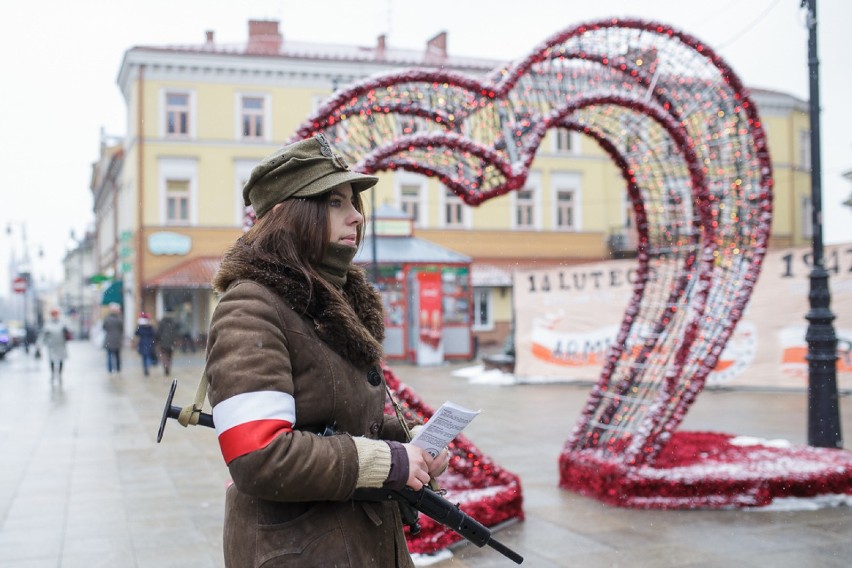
(349, 320)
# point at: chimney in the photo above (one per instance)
(264, 37)
(209, 41)
(380, 47)
(436, 49)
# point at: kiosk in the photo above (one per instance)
(426, 291)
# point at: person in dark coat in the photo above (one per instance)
(294, 352)
(145, 342)
(113, 327)
(167, 337)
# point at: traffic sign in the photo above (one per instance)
(19, 285)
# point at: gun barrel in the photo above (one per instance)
(433, 505)
(506, 551)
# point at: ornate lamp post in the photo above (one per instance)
(823, 411)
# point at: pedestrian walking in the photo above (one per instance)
(294, 352)
(167, 337)
(145, 342)
(187, 343)
(54, 336)
(113, 327)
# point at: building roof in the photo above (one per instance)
(388, 211)
(269, 51)
(194, 273)
(316, 51)
(405, 250)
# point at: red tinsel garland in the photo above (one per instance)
(710, 470)
(690, 146)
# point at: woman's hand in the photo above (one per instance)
(419, 466)
(439, 463)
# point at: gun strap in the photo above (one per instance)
(190, 414)
(433, 483)
(399, 415)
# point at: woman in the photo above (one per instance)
(54, 336)
(166, 338)
(293, 360)
(145, 342)
(113, 328)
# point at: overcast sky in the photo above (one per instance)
(60, 61)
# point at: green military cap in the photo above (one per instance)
(306, 168)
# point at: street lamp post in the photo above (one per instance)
(375, 240)
(23, 268)
(81, 297)
(823, 411)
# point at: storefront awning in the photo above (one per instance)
(194, 273)
(404, 250)
(114, 294)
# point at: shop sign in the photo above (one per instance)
(165, 242)
(393, 227)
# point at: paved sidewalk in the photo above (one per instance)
(83, 483)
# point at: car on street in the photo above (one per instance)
(5, 340)
(17, 335)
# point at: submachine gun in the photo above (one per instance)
(425, 500)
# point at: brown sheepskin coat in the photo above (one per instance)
(290, 503)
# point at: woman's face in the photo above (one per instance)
(343, 217)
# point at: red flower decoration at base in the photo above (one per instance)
(712, 471)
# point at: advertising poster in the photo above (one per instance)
(429, 319)
(567, 318)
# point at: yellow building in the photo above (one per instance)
(168, 201)
(786, 121)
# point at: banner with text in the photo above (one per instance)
(580, 308)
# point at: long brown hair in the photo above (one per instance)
(296, 233)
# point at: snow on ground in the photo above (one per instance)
(429, 559)
(479, 375)
(806, 504)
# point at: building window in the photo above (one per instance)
(564, 141)
(177, 114)
(409, 201)
(242, 173)
(252, 117)
(482, 318)
(805, 149)
(406, 125)
(453, 210)
(177, 202)
(524, 209)
(565, 209)
(566, 197)
(807, 221)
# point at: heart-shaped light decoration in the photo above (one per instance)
(680, 126)
(688, 141)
